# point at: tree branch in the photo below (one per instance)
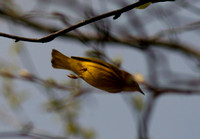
(29, 134)
(52, 36)
(31, 78)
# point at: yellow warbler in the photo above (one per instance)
(97, 73)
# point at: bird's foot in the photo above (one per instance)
(72, 76)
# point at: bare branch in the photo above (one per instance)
(32, 78)
(24, 134)
(52, 36)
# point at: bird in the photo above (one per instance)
(97, 73)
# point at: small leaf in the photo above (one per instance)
(138, 103)
(88, 133)
(16, 48)
(72, 128)
(144, 6)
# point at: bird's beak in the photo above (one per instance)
(141, 92)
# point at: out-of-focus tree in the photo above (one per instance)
(157, 31)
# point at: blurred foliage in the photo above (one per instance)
(132, 29)
(138, 103)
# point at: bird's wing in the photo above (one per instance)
(116, 70)
(93, 60)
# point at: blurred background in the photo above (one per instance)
(158, 44)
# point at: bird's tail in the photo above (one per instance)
(59, 60)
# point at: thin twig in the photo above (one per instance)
(24, 134)
(31, 78)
